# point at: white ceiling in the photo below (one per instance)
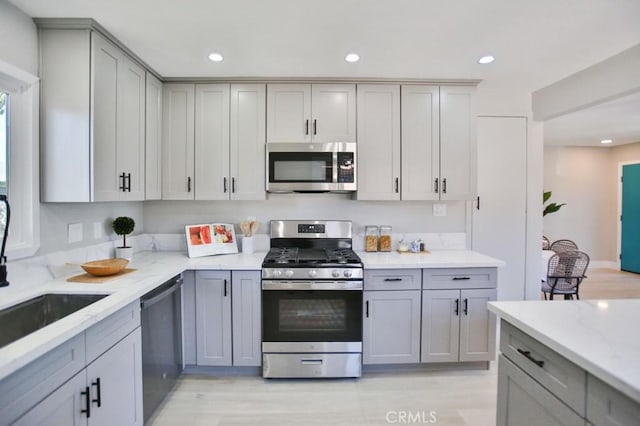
(618, 120)
(535, 42)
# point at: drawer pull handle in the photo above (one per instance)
(461, 278)
(311, 361)
(388, 280)
(528, 356)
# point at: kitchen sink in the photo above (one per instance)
(24, 318)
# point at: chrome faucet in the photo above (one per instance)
(5, 215)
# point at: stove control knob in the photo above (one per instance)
(277, 273)
(312, 273)
(348, 273)
(288, 273)
(335, 274)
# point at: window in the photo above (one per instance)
(4, 142)
(19, 92)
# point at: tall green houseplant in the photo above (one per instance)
(551, 207)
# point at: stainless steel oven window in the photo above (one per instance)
(313, 315)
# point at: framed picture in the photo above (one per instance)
(210, 239)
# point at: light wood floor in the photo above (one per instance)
(453, 397)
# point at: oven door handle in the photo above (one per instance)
(311, 285)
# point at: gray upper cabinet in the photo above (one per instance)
(420, 142)
(92, 119)
(153, 163)
(378, 142)
(214, 142)
(178, 115)
(438, 142)
(311, 113)
(213, 318)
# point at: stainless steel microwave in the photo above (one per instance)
(311, 167)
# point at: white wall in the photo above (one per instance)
(404, 216)
(585, 178)
(18, 38)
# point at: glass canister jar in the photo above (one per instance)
(385, 238)
(371, 234)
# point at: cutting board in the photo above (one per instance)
(93, 279)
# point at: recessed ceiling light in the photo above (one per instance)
(486, 59)
(215, 57)
(352, 57)
(605, 141)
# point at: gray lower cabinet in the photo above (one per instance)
(456, 325)
(523, 401)
(213, 318)
(95, 378)
(227, 318)
(391, 328)
(247, 318)
(107, 392)
(608, 407)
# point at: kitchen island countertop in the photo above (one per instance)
(599, 336)
(153, 269)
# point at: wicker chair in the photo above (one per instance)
(563, 245)
(545, 243)
(566, 271)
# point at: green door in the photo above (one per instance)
(630, 250)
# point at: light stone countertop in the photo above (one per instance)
(601, 336)
(153, 269)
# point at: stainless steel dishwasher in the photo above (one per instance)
(161, 316)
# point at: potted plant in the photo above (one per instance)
(124, 225)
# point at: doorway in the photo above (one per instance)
(630, 219)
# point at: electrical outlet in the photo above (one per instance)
(75, 232)
(440, 210)
(97, 231)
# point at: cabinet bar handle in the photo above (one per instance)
(122, 184)
(225, 288)
(87, 401)
(315, 127)
(392, 279)
(466, 306)
(366, 308)
(397, 185)
(189, 184)
(527, 355)
(233, 185)
(224, 184)
(129, 182)
(460, 278)
(478, 205)
(444, 185)
(457, 311)
(98, 399)
(435, 186)
(306, 132)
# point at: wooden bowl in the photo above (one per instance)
(105, 267)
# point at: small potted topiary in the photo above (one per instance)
(124, 225)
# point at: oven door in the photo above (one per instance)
(312, 320)
(307, 167)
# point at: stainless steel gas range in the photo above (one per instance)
(311, 301)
